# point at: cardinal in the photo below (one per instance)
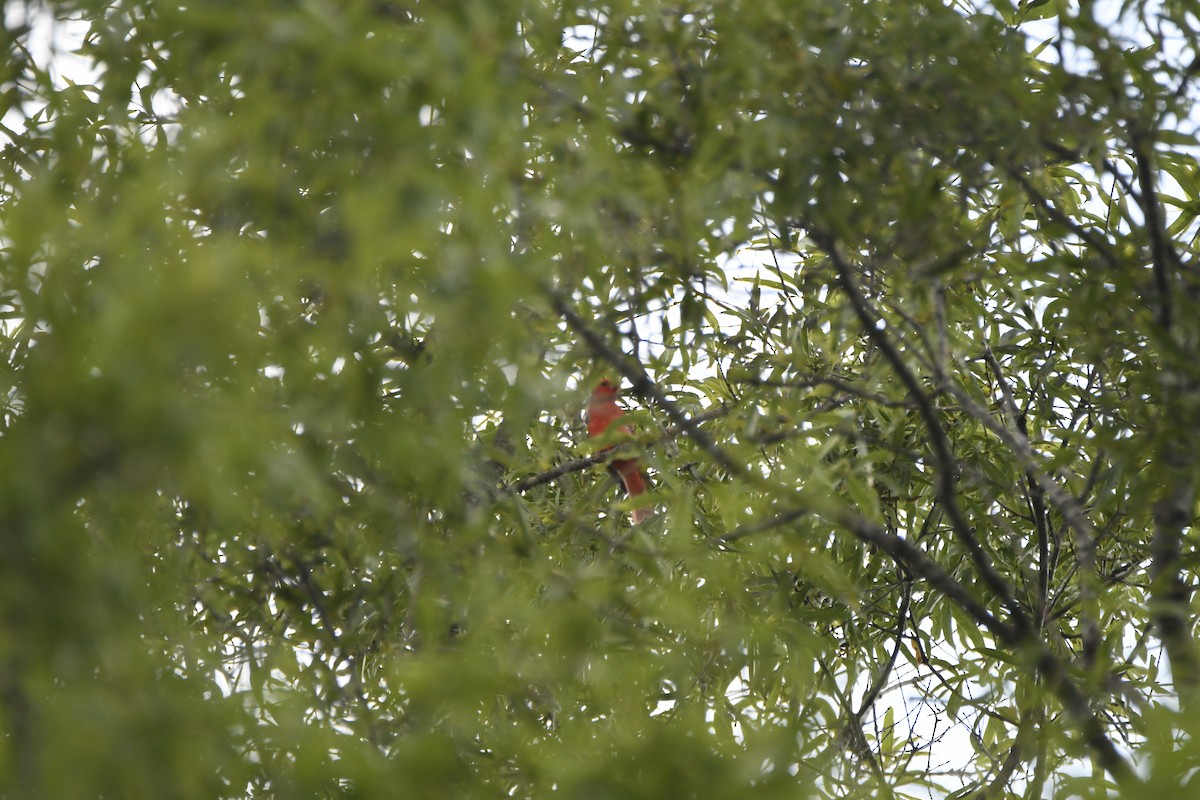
(602, 412)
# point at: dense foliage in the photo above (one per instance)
(301, 303)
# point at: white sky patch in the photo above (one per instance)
(53, 45)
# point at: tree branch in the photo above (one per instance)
(765, 525)
(1163, 257)
(1027, 457)
(872, 693)
(1085, 533)
(1171, 596)
(836, 383)
(1101, 247)
(641, 384)
(586, 462)
(1034, 493)
(946, 489)
(1021, 637)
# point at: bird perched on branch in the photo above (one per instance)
(602, 412)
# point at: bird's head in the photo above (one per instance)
(605, 389)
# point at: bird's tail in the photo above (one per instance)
(634, 482)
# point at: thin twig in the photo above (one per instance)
(586, 462)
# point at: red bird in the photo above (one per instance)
(602, 412)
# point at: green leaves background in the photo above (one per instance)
(281, 288)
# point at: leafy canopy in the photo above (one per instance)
(301, 303)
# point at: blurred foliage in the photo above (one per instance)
(300, 303)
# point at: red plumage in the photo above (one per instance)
(602, 412)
